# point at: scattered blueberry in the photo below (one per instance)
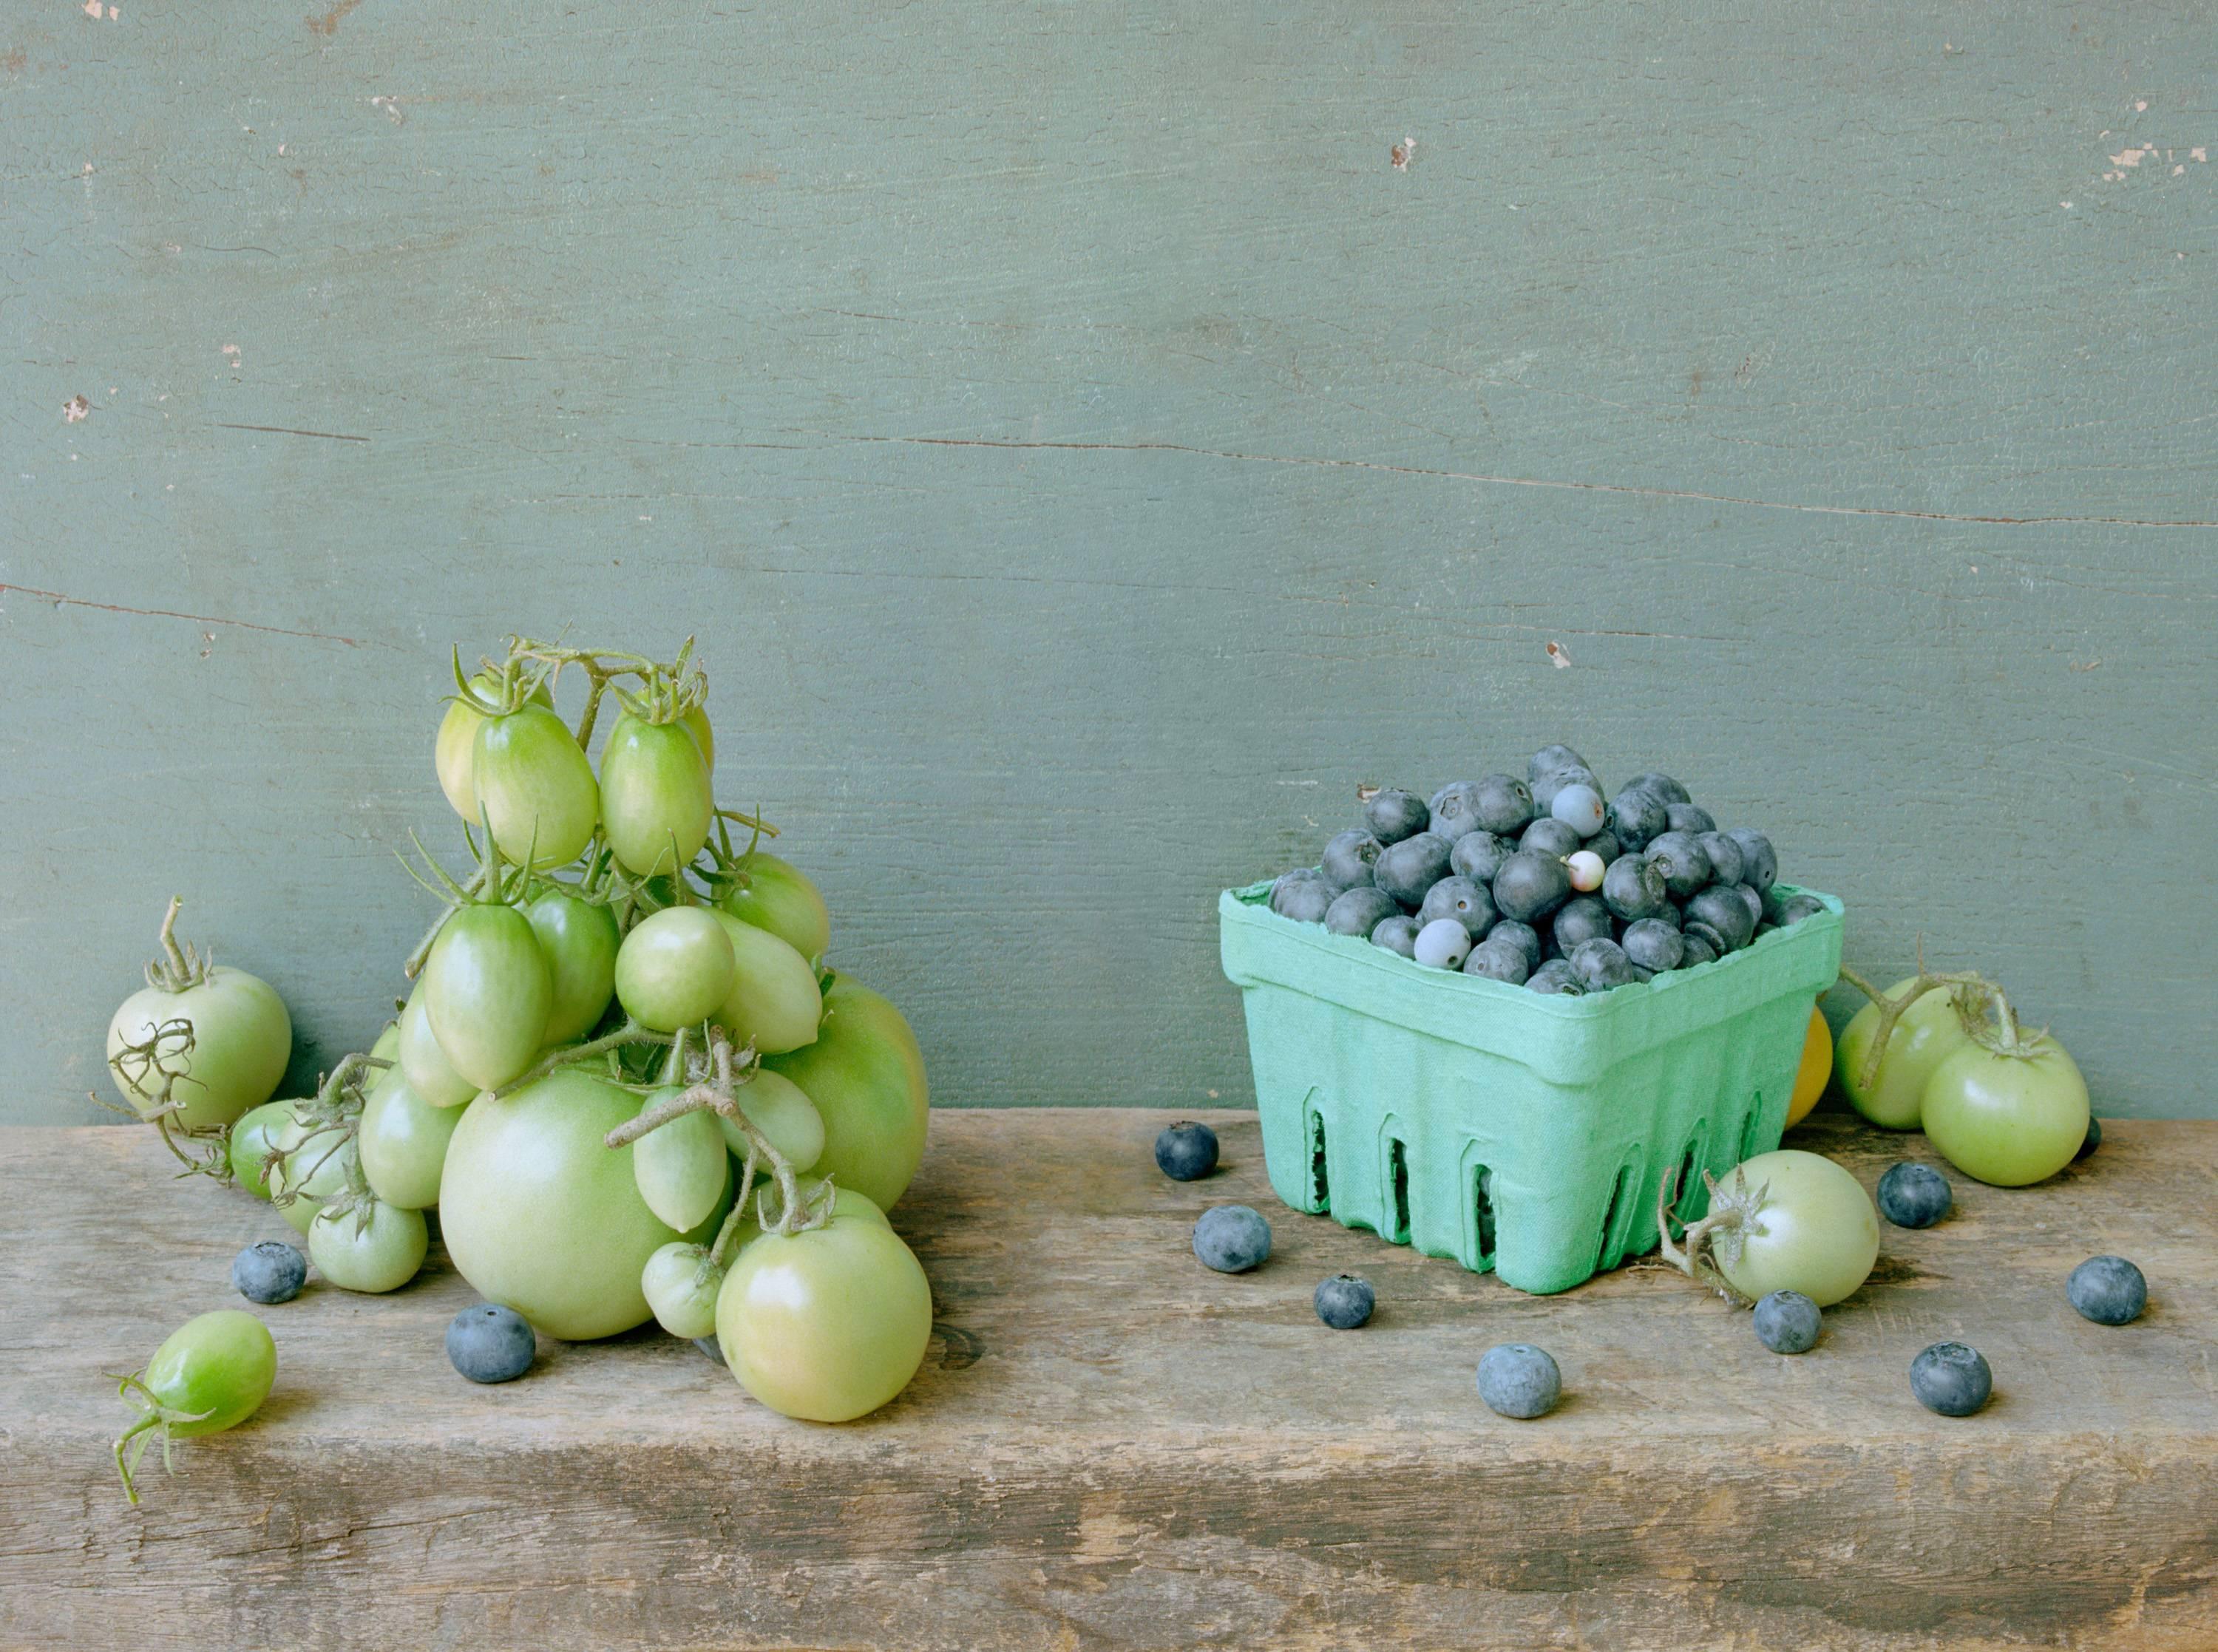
(1636, 816)
(1462, 899)
(1579, 808)
(2108, 1290)
(1583, 918)
(1786, 1322)
(1679, 857)
(1651, 943)
(1349, 857)
(1478, 855)
(1726, 859)
(1689, 817)
(1951, 1378)
(1443, 943)
(1186, 1151)
(1519, 1380)
(1232, 1239)
(1523, 937)
(1759, 862)
(1531, 884)
(2094, 1138)
(1304, 898)
(1394, 814)
(1360, 911)
(1549, 835)
(1633, 889)
(1601, 965)
(1914, 1195)
(1505, 804)
(1549, 758)
(1397, 934)
(271, 1272)
(491, 1344)
(1345, 1302)
(1455, 810)
(1661, 785)
(1503, 961)
(1408, 868)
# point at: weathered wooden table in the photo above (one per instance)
(1111, 1446)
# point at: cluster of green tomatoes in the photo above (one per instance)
(621, 1074)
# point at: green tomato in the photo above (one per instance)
(865, 1075)
(774, 1004)
(212, 1373)
(845, 1202)
(535, 786)
(579, 940)
(703, 736)
(682, 1169)
(1805, 1224)
(681, 1283)
(539, 1216)
(250, 1142)
(376, 1248)
(430, 1074)
(453, 751)
(788, 1119)
(674, 968)
(403, 1143)
(241, 1038)
(2007, 1118)
(827, 1324)
(487, 992)
(1929, 1032)
(775, 894)
(656, 805)
(314, 1169)
(388, 1047)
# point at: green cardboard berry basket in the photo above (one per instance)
(1514, 1130)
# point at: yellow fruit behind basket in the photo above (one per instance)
(1817, 1067)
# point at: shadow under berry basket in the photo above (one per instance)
(1523, 1132)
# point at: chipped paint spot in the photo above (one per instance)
(2066, 205)
(2128, 158)
(1400, 154)
(391, 106)
(2141, 106)
(328, 24)
(1560, 656)
(92, 10)
(75, 409)
(2198, 153)
(2177, 170)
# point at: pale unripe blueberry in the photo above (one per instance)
(1586, 870)
(1444, 944)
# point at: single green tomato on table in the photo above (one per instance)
(580, 939)
(452, 750)
(656, 804)
(1792, 1221)
(373, 1247)
(1929, 1031)
(865, 1074)
(212, 1373)
(216, 1039)
(403, 1141)
(487, 993)
(674, 969)
(774, 1003)
(2010, 1115)
(776, 895)
(535, 787)
(430, 1074)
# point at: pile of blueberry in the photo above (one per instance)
(1539, 882)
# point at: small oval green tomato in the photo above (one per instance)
(388, 1047)
(314, 1169)
(1804, 1223)
(250, 1142)
(452, 752)
(403, 1143)
(776, 895)
(241, 1039)
(682, 1169)
(580, 939)
(430, 1074)
(656, 807)
(2009, 1117)
(373, 1247)
(539, 1216)
(788, 1119)
(1929, 1032)
(774, 1004)
(487, 992)
(674, 969)
(827, 1324)
(681, 1283)
(212, 1373)
(865, 1075)
(535, 786)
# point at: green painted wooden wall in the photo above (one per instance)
(1085, 454)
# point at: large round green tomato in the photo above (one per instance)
(314, 1169)
(488, 992)
(828, 1324)
(377, 1253)
(773, 1004)
(403, 1143)
(458, 732)
(430, 1074)
(250, 1142)
(541, 1217)
(1813, 1230)
(241, 1041)
(788, 1119)
(776, 895)
(2007, 1119)
(656, 807)
(865, 1075)
(535, 786)
(674, 968)
(1928, 1033)
(579, 940)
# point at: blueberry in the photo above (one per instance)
(1549, 835)
(1302, 896)
(1583, 918)
(1412, 866)
(1232, 1239)
(1724, 856)
(1463, 899)
(1397, 934)
(1505, 803)
(1726, 913)
(1798, 907)
(1694, 930)
(1636, 816)
(1914, 1195)
(1345, 1302)
(1549, 758)
(1523, 937)
(1555, 977)
(1530, 885)
(1394, 814)
(1604, 843)
(1633, 889)
(1951, 1378)
(1601, 965)
(2108, 1290)
(1478, 855)
(1519, 1380)
(709, 1346)
(491, 1344)
(1545, 787)
(1661, 785)
(1579, 808)
(1347, 859)
(1689, 817)
(1697, 950)
(1443, 943)
(2094, 1138)
(1759, 862)
(1786, 1322)
(1186, 1151)
(1748, 898)
(1503, 961)
(1651, 943)
(271, 1272)
(1360, 911)
(1455, 810)
(1679, 857)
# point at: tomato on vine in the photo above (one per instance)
(200, 1042)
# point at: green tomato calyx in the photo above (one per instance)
(181, 966)
(1714, 1243)
(155, 1421)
